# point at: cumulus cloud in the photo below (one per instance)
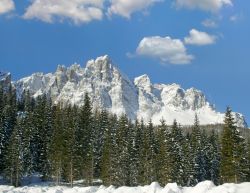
(6, 6)
(78, 11)
(166, 49)
(127, 7)
(199, 38)
(207, 5)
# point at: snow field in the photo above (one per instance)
(203, 187)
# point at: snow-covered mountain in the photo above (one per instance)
(109, 88)
(5, 79)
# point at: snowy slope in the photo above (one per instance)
(203, 187)
(109, 88)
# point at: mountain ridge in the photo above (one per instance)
(111, 89)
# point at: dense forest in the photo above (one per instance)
(68, 143)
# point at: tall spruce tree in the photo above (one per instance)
(197, 153)
(214, 158)
(240, 157)
(232, 148)
(56, 153)
(189, 171)
(148, 155)
(114, 154)
(136, 144)
(41, 134)
(2, 130)
(69, 165)
(177, 154)
(14, 157)
(164, 158)
(133, 152)
(122, 154)
(248, 159)
(84, 139)
(101, 128)
(8, 116)
(27, 133)
(106, 158)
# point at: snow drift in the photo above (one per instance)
(203, 187)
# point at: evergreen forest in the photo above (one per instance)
(64, 144)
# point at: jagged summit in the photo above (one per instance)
(5, 79)
(109, 88)
(4, 75)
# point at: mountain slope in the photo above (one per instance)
(109, 88)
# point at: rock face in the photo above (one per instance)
(109, 88)
(5, 79)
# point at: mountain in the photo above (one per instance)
(109, 88)
(5, 79)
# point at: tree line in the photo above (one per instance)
(69, 143)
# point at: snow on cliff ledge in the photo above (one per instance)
(203, 187)
(109, 88)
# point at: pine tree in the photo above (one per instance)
(108, 157)
(240, 157)
(2, 130)
(84, 138)
(142, 162)
(204, 166)
(8, 114)
(114, 154)
(106, 161)
(214, 158)
(248, 159)
(227, 149)
(14, 158)
(147, 168)
(41, 133)
(177, 153)
(233, 158)
(56, 153)
(189, 171)
(122, 159)
(197, 153)
(136, 145)
(133, 153)
(27, 118)
(100, 131)
(69, 158)
(164, 158)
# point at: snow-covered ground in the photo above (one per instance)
(203, 187)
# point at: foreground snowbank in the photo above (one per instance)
(203, 187)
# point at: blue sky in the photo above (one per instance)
(196, 43)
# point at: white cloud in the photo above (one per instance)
(207, 5)
(209, 23)
(79, 11)
(6, 6)
(166, 49)
(199, 38)
(127, 7)
(236, 17)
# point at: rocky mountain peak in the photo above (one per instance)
(109, 88)
(5, 79)
(143, 82)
